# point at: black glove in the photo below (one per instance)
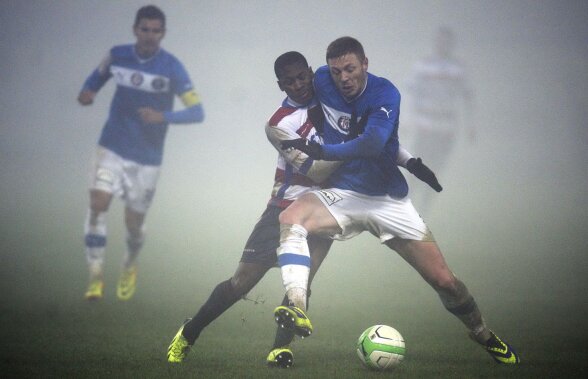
(310, 148)
(418, 169)
(356, 128)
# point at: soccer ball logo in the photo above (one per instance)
(381, 347)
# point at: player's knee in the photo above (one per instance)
(99, 201)
(288, 217)
(243, 282)
(447, 284)
(134, 223)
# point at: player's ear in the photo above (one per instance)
(280, 85)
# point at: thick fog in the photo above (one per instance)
(513, 208)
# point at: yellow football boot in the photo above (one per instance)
(127, 283)
(179, 347)
(293, 318)
(95, 290)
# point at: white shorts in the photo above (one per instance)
(382, 216)
(133, 182)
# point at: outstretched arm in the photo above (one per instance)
(316, 170)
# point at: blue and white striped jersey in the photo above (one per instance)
(140, 83)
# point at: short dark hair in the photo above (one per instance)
(150, 12)
(286, 59)
(345, 45)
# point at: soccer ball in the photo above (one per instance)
(381, 347)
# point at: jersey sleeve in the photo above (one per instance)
(182, 85)
(183, 88)
(317, 171)
(100, 75)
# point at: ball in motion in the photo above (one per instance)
(381, 347)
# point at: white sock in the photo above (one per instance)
(294, 261)
(95, 241)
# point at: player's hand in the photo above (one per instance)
(310, 148)
(356, 128)
(150, 116)
(86, 97)
(416, 167)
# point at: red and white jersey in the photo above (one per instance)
(296, 173)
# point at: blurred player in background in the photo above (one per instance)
(439, 105)
(130, 148)
(361, 198)
(299, 116)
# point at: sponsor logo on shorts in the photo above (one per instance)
(330, 197)
(105, 176)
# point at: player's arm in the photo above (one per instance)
(317, 171)
(368, 145)
(193, 112)
(95, 81)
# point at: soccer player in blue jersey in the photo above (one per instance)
(130, 148)
(366, 194)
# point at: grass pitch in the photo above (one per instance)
(63, 336)
(48, 330)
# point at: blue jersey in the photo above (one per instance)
(140, 83)
(370, 160)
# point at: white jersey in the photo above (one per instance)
(296, 173)
(437, 88)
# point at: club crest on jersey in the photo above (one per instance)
(343, 123)
(137, 79)
(330, 197)
(158, 84)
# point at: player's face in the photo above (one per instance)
(296, 81)
(349, 74)
(149, 33)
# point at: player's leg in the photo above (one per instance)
(318, 247)
(105, 183)
(259, 255)
(127, 282)
(426, 258)
(139, 186)
(306, 215)
(95, 241)
(224, 295)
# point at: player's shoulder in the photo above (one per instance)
(382, 87)
(120, 51)
(282, 113)
(164, 54)
(322, 75)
